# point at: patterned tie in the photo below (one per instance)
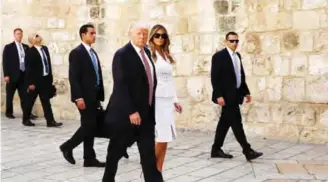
(22, 57)
(237, 69)
(150, 80)
(44, 60)
(95, 64)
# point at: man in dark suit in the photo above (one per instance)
(229, 89)
(14, 66)
(131, 110)
(39, 80)
(87, 91)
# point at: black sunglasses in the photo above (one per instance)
(157, 35)
(232, 41)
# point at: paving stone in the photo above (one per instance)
(291, 168)
(32, 154)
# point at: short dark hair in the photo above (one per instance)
(18, 29)
(230, 33)
(84, 28)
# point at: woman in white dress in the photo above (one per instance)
(166, 98)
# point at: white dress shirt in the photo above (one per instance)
(21, 52)
(165, 81)
(138, 49)
(236, 57)
(88, 48)
(44, 67)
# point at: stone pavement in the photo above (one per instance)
(32, 154)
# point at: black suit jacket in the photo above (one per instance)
(83, 78)
(223, 79)
(131, 91)
(11, 61)
(34, 71)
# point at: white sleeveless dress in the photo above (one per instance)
(165, 96)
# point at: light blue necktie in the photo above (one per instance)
(22, 56)
(45, 60)
(95, 66)
(237, 70)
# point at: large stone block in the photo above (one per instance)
(63, 36)
(313, 4)
(317, 89)
(299, 115)
(176, 44)
(318, 64)
(184, 65)
(310, 17)
(323, 117)
(277, 113)
(283, 132)
(306, 41)
(227, 23)
(94, 12)
(314, 135)
(181, 86)
(188, 42)
(55, 23)
(252, 43)
(294, 89)
(270, 43)
(206, 43)
(257, 87)
(259, 112)
(265, 21)
(204, 113)
(262, 65)
(291, 5)
(299, 65)
(202, 65)
(321, 40)
(290, 40)
(195, 86)
(221, 6)
(113, 12)
(57, 60)
(269, 5)
(274, 88)
(202, 24)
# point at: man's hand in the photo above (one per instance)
(178, 107)
(80, 104)
(135, 118)
(7, 79)
(220, 101)
(248, 99)
(31, 87)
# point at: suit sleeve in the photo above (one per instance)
(30, 76)
(74, 73)
(216, 76)
(5, 61)
(122, 77)
(243, 84)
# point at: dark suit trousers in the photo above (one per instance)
(11, 88)
(145, 138)
(41, 90)
(230, 117)
(85, 132)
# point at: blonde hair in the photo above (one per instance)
(165, 47)
(32, 36)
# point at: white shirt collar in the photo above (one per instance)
(17, 42)
(138, 49)
(38, 47)
(230, 51)
(86, 46)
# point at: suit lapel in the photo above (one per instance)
(139, 62)
(230, 62)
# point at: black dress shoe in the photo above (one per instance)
(54, 124)
(93, 163)
(218, 153)
(33, 117)
(68, 155)
(28, 123)
(252, 154)
(126, 155)
(10, 116)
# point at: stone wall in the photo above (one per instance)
(284, 44)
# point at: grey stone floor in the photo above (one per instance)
(32, 154)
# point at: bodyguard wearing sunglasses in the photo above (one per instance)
(229, 89)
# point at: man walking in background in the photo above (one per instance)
(14, 69)
(229, 89)
(87, 91)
